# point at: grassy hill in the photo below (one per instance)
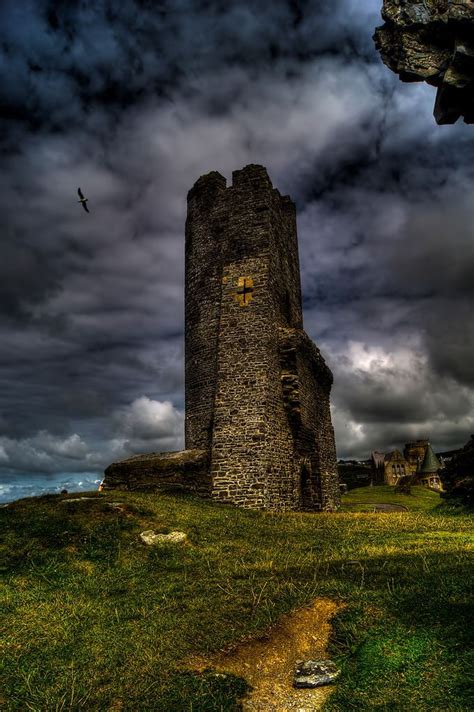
(96, 620)
(362, 499)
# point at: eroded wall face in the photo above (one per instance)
(252, 449)
(203, 268)
(252, 462)
(307, 384)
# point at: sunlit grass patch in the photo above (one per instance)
(421, 499)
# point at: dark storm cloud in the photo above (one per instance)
(387, 396)
(397, 274)
(63, 60)
(411, 242)
(133, 101)
(24, 264)
(144, 424)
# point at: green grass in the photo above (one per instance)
(421, 499)
(95, 620)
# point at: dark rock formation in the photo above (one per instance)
(432, 41)
(458, 476)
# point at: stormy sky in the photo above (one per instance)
(133, 101)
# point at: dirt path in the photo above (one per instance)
(268, 663)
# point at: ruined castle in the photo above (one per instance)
(258, 429)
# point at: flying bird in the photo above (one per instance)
(82, 200)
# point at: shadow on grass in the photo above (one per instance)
(404, 630)
(209, 691)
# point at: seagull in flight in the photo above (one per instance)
(82, 200)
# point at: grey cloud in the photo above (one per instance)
(383, 399)
(144, 424)
(24, 265)
(449, 337)
(397, 262)
(149, 420)
(356, 441)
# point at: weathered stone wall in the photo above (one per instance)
(432, 41)
(414, 452)
(203, 269)
(316, 379)
(252, 452)
(307, 382)
(396, 467)
(160, 471)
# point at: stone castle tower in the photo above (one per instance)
(258, 426)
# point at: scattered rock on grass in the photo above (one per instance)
(78, 499)
(114, 505)
(314, 673)
(150, 537)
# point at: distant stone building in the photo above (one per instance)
(258, 427)
(377, 462)
(414, 452)
(418, 462)
(428, 473)
(395, 467)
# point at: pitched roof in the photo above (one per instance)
(394, 456)
(377, 458)
(430, 462)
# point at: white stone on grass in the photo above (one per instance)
(150, 537)
(314, 673)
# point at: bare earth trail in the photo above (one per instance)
(267, 663)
